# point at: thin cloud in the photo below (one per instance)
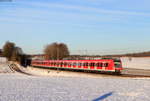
(31, 14)
(88, 9)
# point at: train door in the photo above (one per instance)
(79, 64)
(99, 65)
(85, 65)
(74, 64)
(106, 66)
(65, 64)
(69, 64)
(61, 64)
(92, 65)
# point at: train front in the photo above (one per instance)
(118, 65)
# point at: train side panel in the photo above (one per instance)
(96, 65)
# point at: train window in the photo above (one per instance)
(57, 63)
(98, 64)
(61, 64)
(65, 64)
(117, 65)
(92, 64)
(86, 64)
(54, 63)
(105, 64)
(80, 64)
(70, 64)
(74, 64)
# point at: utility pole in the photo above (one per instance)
(57, 52)
(57, 57)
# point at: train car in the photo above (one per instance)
(107, 65)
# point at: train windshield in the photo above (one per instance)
(117, 63)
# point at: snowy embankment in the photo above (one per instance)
(4, 68)
(17, 87)
(138, 63)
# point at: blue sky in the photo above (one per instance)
(86, 26)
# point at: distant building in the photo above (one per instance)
(38, 57)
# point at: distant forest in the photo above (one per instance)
(140, 54)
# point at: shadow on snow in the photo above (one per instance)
(103, 97)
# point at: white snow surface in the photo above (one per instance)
(138, 63)
(4, 68)
(19, 87)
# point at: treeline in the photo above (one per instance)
(53, 51)
(140, 54)
(56, 51)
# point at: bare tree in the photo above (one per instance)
(56, 51)
(11, 52)
(16, 55)
(62, 50)
(8, 49)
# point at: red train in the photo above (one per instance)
(107, 65)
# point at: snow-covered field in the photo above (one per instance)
(139, 63)
(18, 87)
(74, 86)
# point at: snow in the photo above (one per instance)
(3, 60)
(69, 86)
(19, 87)
(138, 63)
(4, 68)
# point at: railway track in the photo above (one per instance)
(136, 72)
(126, 73)
(14, 68)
